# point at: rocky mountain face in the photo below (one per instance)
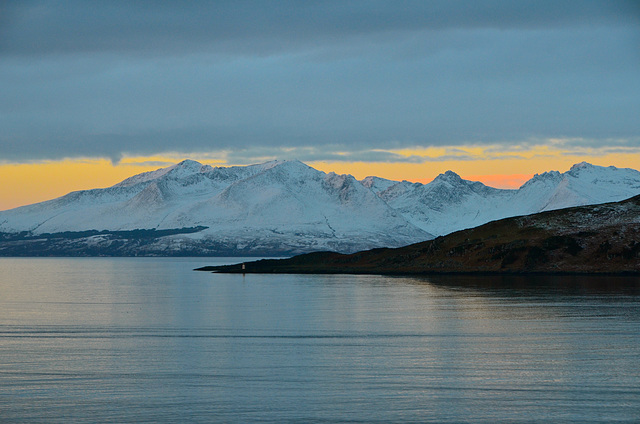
(284, 208)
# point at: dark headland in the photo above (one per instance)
(596, 239)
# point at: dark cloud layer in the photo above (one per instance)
(162, 26)
(143, 77)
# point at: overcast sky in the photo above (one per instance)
(318, 80)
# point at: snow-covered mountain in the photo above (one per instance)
(279, 207)
(285, 207)
(583, 184)
(449, 203)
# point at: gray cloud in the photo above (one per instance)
(37, 27)
(113, 78)
(311, 154)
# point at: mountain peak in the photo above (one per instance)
(291, 165)
(549, 175)
(186, 166)
(449, 176)
(581, 165)
(588, 169)
(292, 162)
(546, 178)
(281, 162)
(188, 163)
(377, 184)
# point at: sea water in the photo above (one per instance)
(131, 340)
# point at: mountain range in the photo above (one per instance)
(281, 208)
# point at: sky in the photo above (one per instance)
(93, 92)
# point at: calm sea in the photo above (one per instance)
(135, 340)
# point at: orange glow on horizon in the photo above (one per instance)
(23, 184)
(499, 173)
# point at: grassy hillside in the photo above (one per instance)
(589, 239)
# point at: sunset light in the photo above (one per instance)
(40, 181)
(319, 211)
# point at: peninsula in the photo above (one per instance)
(596, 239)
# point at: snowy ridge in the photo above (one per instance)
(450, 203)
(287, 206)
(377, 184)
(447, 204)
(280, 206)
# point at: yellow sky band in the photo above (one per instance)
(22, 184)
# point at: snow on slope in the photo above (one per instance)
(288, 206)
(278, 205)
(377, 184)
(299, 206)
(450, 203)
(583, 184)
(141, 201)
(446, 204)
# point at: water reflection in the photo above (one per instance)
(127, 340)
(540, 284)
